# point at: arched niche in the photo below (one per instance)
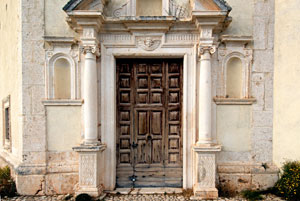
(62, 79)
(234, 78)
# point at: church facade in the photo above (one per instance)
(105, 94)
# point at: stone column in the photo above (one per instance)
(90, 96)
(205, 97)
(204, 150)
(91, 151)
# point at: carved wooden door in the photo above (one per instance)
(149, 140)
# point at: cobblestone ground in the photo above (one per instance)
(109, 197)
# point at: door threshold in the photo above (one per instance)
(137, 191)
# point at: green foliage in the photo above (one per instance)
(7, 185)
(288, 186)
(252, 195)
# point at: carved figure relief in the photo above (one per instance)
(148, 43)
(206, 170)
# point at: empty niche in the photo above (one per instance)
(148, 7)
(62, 79)
(234, 78)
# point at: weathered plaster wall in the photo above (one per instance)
(55, 19)
(234, 127)
(10, 73)
(242, 17)
(286, 81)
(63, 127)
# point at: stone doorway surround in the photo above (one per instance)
(103, 40)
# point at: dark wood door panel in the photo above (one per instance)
(149, 141)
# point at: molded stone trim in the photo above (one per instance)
(234, 101)
(62, 102)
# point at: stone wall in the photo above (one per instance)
(33, 165)
(237, 161)
(287, 94)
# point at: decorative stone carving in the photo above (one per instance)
(90, 174)
(205, 170)
(235, 47)
(182, 37)
(115, 38)
(202, 49)
(90, 49)
(177, 10)
(205, 175)
(66, 48)
(88, 169)
(121, 11)
(148, 43)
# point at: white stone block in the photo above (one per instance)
(259, 32)
(263, 61)
(258, 92)
(262, 119)
(269, 92)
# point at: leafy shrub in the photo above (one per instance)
(7, 185)
(288, 186)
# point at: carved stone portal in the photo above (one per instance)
(90, 175)
(205, 171)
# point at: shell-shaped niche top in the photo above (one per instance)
(136, 8)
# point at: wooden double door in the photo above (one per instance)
(149, 138)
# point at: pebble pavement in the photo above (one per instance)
(111, 197)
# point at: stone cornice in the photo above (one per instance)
(80, 19)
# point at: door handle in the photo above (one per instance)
(134, 145)
(149, 137)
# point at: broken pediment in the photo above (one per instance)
(210, 5)
(176, 8)
(95, 5)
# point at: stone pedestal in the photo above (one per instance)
(205, 171)
(90, 169)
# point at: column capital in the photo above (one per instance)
(206, 48)
(94, 49)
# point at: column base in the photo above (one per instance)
(205, 171)
(94, 192)
(204, 193)
(90, 169)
